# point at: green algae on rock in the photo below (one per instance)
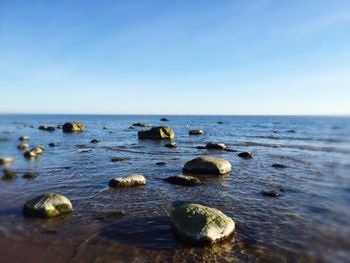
(201, 224)
(48, 205)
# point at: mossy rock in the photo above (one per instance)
(48, 205)
(201, 224)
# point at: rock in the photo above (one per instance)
(8, 175)
(164, 119)
(246, 155)
(160, 163)
(207, 165)
(220, 122)
(130, 180)
(171, 145)
(73, 127)
(60, 126)
(105, 128)
(131, 128)
(48, 205)
(94, 141)
(52, 144)
(201, 224)
(119, 159)
(215, 146)
(6, 160)
(142, 124)
(230, 150)
(30, 175)
(46, 128)
(278, 165)
(112, 215)
(157, 133)
(270, 193)
(35, 152)
(183, 180)
(24, 138)
(291, 131)
(23, 146)
(200, 147)
(196, 132)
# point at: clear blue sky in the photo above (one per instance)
(175, 57)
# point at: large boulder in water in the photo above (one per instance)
(131, 180)
(48, 205)
(73, 127)
(157, 133)
(201, 224)
(207, 165)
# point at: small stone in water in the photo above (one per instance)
(270, 193)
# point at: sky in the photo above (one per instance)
(256, 57)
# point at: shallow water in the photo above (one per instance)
(308, 223)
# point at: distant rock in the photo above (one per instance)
(160, 163)
(142, 124)
(8, 175)
(6, 160)
(164, 119)
(200, 147)
(23, 146)
(207, 165)
(52, 144)
(196, 132)
(270, 193)
(60, 126)
(47, 128)
(230, 150)
(73, 127)
(215, 146)
(278, 165)
(157, 133)
(246, 155)
(30, 175)
(183, 180)
(171, 145)
(131, 128)
(24, 138)
(120, 159)
(94, 141)
(201, 224)
(48, 205)
(130, 180)
(220, 122)
(291, 131)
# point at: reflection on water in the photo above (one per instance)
(308, 223)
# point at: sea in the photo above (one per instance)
(307, 222)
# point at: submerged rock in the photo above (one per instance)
(157, 133)
(23, 146)
(246, 155)
(119, 159)
(30, 175)
(196, 132)
(183, 180)
(24, 138)
(47, 128)
(8, 175)
(142, 124)
(171, 145)
(160, 163)
(278, 165)
(220, 122)
(215, 146)
(48, 205)
(207, 165)
(73, 127)
(112, 215)
(6, 160)
(201, 224)
(164, 119)
(94, 141)
(52, 144)
(60, 126)
(270, 193)
(130, 180)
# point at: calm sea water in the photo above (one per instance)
(308, 223)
